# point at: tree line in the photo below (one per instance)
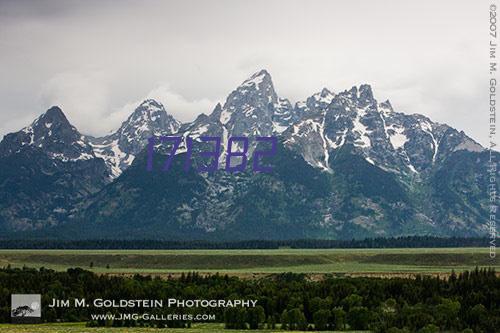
(467, 302)
(391, 242)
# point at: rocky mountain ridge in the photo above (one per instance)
(350, 143)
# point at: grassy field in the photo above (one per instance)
(348, 261)
(80, 328)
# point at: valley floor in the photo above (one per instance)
(254, 263)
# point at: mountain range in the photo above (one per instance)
(347, 166)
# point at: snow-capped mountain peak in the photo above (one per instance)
(148, 111)
(257, 79)
(51, 133)
(393, 141)
(120, 148)
(149, 118)
(151, 105)
(385, 108)
(365, 93)
(257, 90)
(324, 96)
(48, 121)
(319, 100)
(249, 109)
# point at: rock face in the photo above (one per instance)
(347, 166)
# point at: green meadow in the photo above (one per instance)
(349, 261)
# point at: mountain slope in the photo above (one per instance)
(195, 206)
(356, 199)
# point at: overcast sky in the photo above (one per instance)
(98, 59)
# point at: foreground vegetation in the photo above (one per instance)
(82, 328)
(423, 260)
(470, 300)
(138, 244)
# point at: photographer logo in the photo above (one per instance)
(26, 308)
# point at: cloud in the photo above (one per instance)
(98, 65)
(83, 96)
(175, 104)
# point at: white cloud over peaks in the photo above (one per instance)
(181, 108)
(178, 106)
(83, 97)
(425, 56)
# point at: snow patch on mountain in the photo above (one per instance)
(469, 145)
(397, 137)
(426, 126)
(362, 131)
